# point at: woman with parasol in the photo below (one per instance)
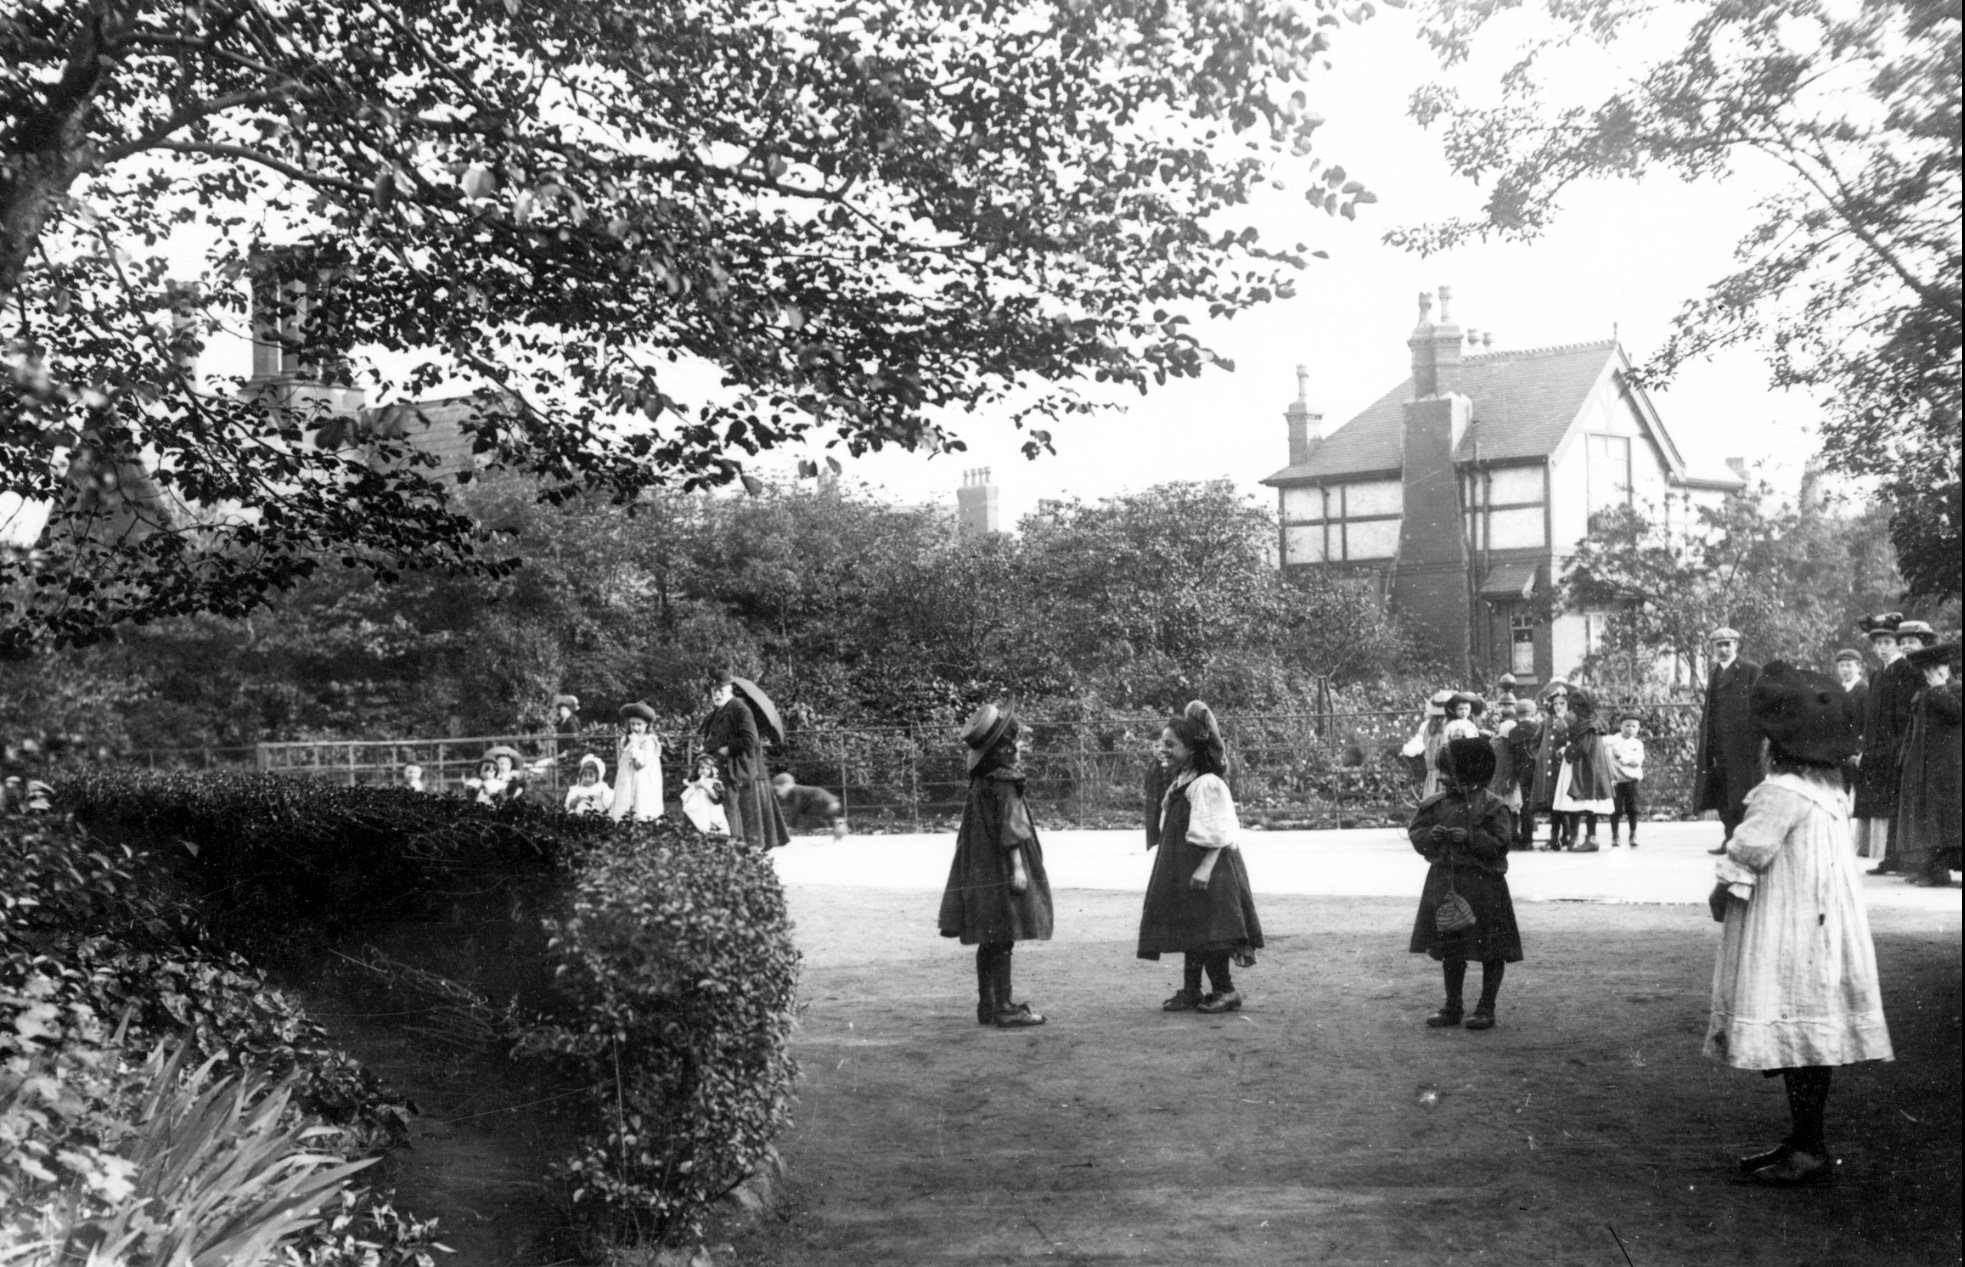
(731, 735)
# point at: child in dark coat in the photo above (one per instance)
(998, 893)
(1465, 833)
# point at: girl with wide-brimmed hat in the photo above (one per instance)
(1465, 833)
(1423, 749)
(1795, 986)
(998, 892)
(1198, 901)
(637, 767)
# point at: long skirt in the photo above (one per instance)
(1566, 804)
(1494, 934)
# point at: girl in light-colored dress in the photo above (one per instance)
(702, 799)
(1795, 987)
(590, 795)
(637, 767)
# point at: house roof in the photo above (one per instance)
(436, 426)
(1524, 404)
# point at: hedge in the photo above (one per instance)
(650, 961)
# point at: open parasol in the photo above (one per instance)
(768, 721)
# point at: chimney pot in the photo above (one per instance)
(1446, 297)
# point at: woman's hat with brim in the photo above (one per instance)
(571, 702)
(1436, 706)
(1467, 697)
(503, 750)
(1804, 715)
(985, 730)
(1917, 629)
(1932, 656)
(1881, 625)
(638, 709)
(1467, 761)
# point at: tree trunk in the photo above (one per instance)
(46, 152)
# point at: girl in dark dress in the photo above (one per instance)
(1198, 902)
(997, 893)
(1465, 832)
(730, 735)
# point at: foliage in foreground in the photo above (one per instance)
(112, 1140)
(677, 962)
(669, 953)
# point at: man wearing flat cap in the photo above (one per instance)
(1728, 765)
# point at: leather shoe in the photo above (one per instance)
(1588, 846)
(1761, 1161)
(1182, 1001)
(1443, 1018)
(1721, 849)
(1227, 1001)
(1018, 1016)
(1481, 1019)
(1886, 868)
(1796, 1170)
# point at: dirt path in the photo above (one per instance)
(1323, 1124)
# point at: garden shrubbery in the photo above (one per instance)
(661, 961)
(156, 1095)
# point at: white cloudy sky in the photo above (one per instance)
(1623, 258)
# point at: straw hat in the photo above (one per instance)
(638, 709)
(988, 727)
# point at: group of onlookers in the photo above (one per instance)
(1553, 754)
(1905, 774)
(729, 791)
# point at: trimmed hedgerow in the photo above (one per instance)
(677, 963)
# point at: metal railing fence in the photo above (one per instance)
(1287, 770)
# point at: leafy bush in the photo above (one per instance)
(677, 964)
(91, 935)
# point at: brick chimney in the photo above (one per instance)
(1306, 424)
(1430, 576)
(1436, 348)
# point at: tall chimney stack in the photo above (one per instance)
(1306, 425)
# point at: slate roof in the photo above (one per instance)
(436, 427)
(1524, 403)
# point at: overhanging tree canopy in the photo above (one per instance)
(1850, 280)
(864, 214)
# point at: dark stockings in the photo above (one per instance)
(1215, 963)
(1589, 817)
(1492, 971)
(1808, 1100)
(992, 978)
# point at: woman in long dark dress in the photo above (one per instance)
(1928, 794)
(997, 893)
(1465, 833)
(730, 735)
(1198, 902)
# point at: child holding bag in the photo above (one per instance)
(1465, 832)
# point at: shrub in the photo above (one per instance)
(677, 965)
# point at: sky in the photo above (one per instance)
(1621, 259)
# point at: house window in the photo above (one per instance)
(1521, 639)
(1356, 522)
(1609, 460)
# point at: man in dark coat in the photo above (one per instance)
(1729, 764)
(1855, 697)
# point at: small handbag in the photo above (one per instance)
(1455, 913)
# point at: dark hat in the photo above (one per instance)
(1467, 697)
(988, 727)
(1200, 732)
(1804, 715)
(1933, 656)
(1467, 761)
(1883, 624)
(1628, 715)
(1582, 703)
(1848, 654)
(638, 709)
(1917, 629)
(1507, 679)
